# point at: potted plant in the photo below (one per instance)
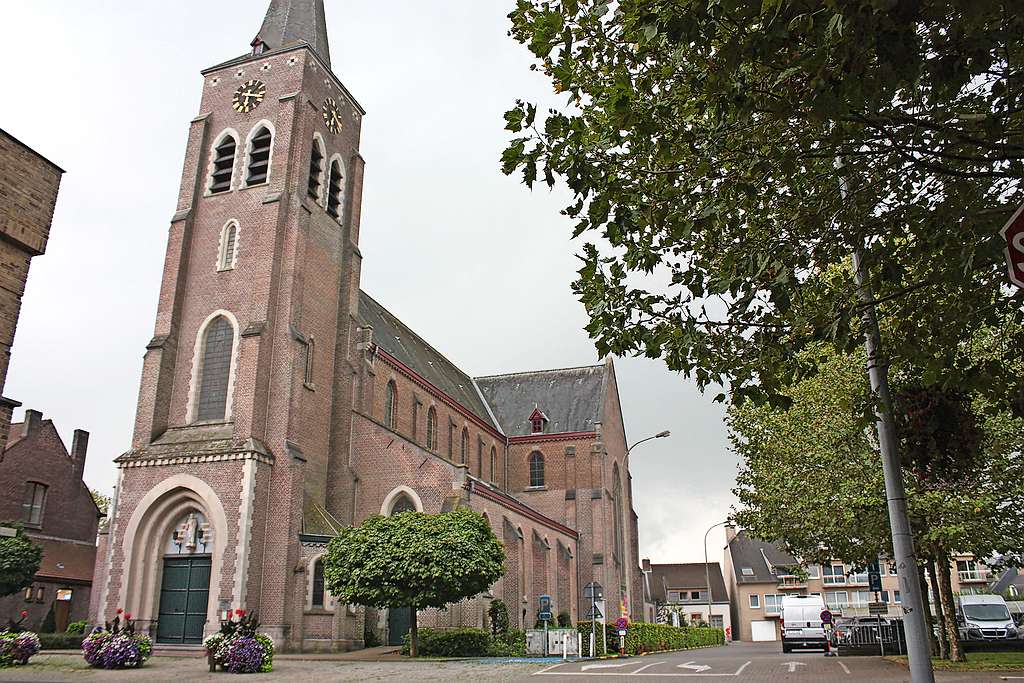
(239, 647)
(116, 645)
(17, 645)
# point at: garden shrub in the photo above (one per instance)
(60, 641)
(564, 620)
(451, 642)
(76, 627)
(497, 614)
(238, 648)
(510, 644)
(643, 637)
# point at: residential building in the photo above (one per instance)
(280, 402)
(46, 495)
(758, 575)
(680, 594)
(28, 194)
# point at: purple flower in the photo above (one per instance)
(244, 656)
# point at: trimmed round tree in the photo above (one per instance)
(19, 561)
(414, 561)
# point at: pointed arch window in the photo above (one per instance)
(318, 583)
(536, 469)
(494, 457)
(228, 246)
(223, 165)
(215, 369)
(403, 503)
(465, 446)
(334, 188)
(258, 167)
(316, 170)
(432, 429)
(480, 457)
(390, 399)
(617, 513)
(308, 362)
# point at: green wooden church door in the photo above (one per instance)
(184, 596)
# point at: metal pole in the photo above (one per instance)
(918, 650)
(918, 647)
(707, 570)
(593, 618)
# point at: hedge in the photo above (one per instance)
(60, 641)
(642, 637)
(451, 642)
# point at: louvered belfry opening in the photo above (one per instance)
(223, 165)
(334, 191)
(316, 169)
(259, 158)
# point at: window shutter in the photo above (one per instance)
(259, 158)
(223, 166)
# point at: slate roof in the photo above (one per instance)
(290, 21)
(1010, 577)
(751, 552)
(571, 398)
(395, 337)
(690, 576)
(66, 560)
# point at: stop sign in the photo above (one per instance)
(1013, 233)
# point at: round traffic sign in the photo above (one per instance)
(826, 616)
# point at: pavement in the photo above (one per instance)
(752, 662)
(739, 662)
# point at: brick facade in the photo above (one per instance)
(305, 445)
(65, 525)
(28, 194)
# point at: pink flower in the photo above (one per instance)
(120, 611)
(128, 615)
(24, 613)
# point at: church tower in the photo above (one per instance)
(249, 365)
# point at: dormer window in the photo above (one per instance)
(538, 421)
(258, 46)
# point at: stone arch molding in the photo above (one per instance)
(389, 500)
(146, 535)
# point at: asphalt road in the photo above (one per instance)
(742, 662)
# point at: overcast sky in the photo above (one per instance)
(470, 259)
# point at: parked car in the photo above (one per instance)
(984, 617)
(801, 622)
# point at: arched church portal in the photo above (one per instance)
(185, 583)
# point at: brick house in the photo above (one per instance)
(47, 496)
(682, 589)
(279, 401)
(28, 194)
(758, 574)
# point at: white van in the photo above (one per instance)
(984, 617)
(801, 622)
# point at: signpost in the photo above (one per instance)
(874, 577)
(544, 614)
(826, 625)
(594, 591)
(622, 625)
(1013, 233)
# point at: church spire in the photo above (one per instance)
(291, 21)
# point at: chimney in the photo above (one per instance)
(33, 418)
(730, 533)
(79, 446)
(647, 566)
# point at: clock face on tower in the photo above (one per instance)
(332, 117)
(249, 95)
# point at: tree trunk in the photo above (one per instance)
(939, 613)
(956, 650)
(414, 643)
(936, 645)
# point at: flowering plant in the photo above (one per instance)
(17, 647)
(116, 645)
(239, 648)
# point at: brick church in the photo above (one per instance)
(279, 402)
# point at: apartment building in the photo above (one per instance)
(680, 594)
(759, 573)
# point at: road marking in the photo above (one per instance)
(690, 665)
(646, 666)
(545, 670)
(793, 665)
(605, 666)
(548, 672)
(844, 668)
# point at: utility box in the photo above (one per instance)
(535, 642)
(567, 637)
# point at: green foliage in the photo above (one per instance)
(642, 637)
(700, 140)
(76, 627)
(61, 641)
(509, 644)
(939, 434)
(414, 560)
(19, 561)
(102, 501)
(497, 613)
(451, 642)
(564, 620)
(370, 637)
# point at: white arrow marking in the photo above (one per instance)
(793, 665)
(646, 666)
(690, 665)
(605, 666)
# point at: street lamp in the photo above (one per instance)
(707, 570)
(659, 435)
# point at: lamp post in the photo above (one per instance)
(707, 570)
(659, 435)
